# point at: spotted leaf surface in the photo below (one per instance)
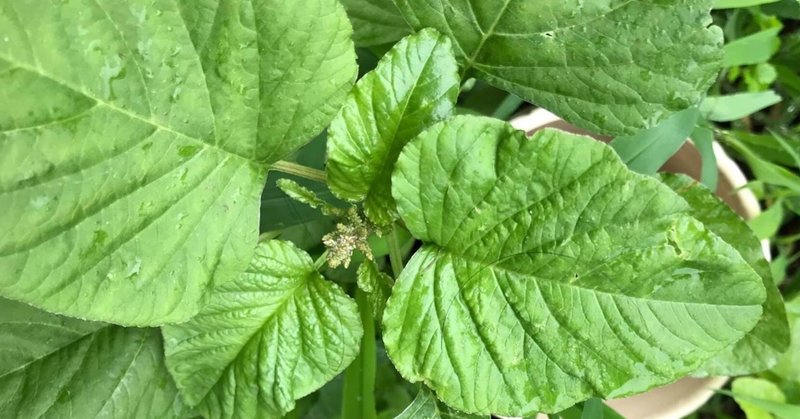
(550, 273)
(135, 140)
(611, 66)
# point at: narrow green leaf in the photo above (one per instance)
(159, 122)
(57, 367)
(551, 273)
(427, 406)
(592, 409)
(780, 410)
(735, 4)
(767, 224)
(613, 67)
(704, 141)
(646, 151)
(375, 22)
(759, 389)
(761, 347)
(737, 106)
(752, 49)
(276, 333)
(765, 171)
(414, 86)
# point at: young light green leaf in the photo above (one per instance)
(375, 22)
(646, 151)
(752, 49)
(308, 197)
(415, 85)
(56, 367)
(427, 406)
(761, 347)
(760, 389)
(551, 273)
(271, 336)
(613, 66)
(159, 123)
(377, 286)
(736, 106)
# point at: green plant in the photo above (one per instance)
(136, 139)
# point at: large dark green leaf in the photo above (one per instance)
(56, 367)
(762, 347)
(135, 139)
(414, 86)
(271, 336)
(611, 66)
(551, 273)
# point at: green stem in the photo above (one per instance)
(320, 262)
(395, 255)
(358, 395)
(299, 170)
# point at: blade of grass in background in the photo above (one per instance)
(732, 107)
(752, 49)
(735, 4)
(704, 141)
(648, 150)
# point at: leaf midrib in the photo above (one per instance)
(493, 266)
(146, 120)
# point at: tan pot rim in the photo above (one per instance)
(684, 396)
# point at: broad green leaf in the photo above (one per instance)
(736, 106)
(426, 406)
(551, 273)
(646, 151)
(56, 367)
(135, 140)
(271, 336)
(735, 4)
(763, 346)
(375, 22)
(756, 388)
(611, 66)
(415, 85)
(788, 367)
(752, 49)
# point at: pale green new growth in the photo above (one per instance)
(274, 334)
(135, 139)
(551, 273)
(414, 86)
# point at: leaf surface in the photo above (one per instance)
(611, 66)
(274, 334)
(135, 141)
(56, 367)
(551, 273)
(761, 347)
(375, 22)
(415, 85)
